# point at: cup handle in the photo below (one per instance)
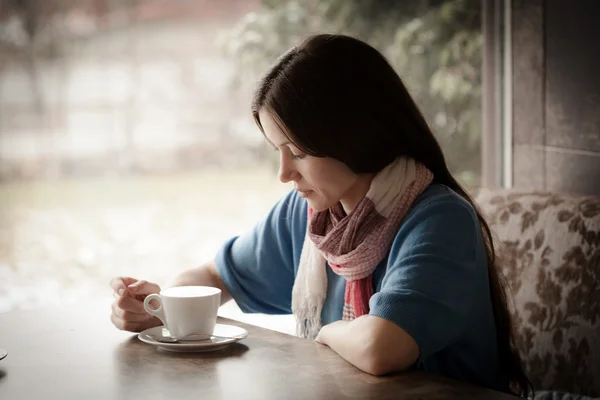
(157, 312)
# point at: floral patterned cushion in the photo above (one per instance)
(550, 395)
(553, 395)
(548, 246)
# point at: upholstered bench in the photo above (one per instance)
(548, 246)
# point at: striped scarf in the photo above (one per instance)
(353, 245)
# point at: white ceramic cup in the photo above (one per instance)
(187, 310)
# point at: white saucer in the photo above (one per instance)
(224, 335)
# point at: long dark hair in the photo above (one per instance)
(335, 96)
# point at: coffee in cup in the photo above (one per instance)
(186, 310)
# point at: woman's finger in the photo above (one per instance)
(143, 287)
(125, 325)
(129, 316)
(130, 304)
(120, 283)
(134, 326)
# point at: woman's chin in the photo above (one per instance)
(317, 205)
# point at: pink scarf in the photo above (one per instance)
(353, 245)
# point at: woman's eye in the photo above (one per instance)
(298, 156)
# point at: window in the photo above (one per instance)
(127, 146)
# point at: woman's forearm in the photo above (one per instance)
(205, 275)
(372, 344)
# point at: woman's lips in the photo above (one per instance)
(304, 193)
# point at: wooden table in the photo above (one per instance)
(73, 352)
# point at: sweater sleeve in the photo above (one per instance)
(432, 268)
(258, 267)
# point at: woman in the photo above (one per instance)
(378, 252)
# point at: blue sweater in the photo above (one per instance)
(433, 283)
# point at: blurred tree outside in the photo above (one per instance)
(434, 45)
(118, 87)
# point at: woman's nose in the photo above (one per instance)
(287, 173)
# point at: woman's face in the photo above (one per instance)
(321, 181)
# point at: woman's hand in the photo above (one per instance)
(128, 311)
(330, 330)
